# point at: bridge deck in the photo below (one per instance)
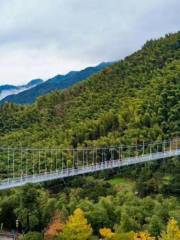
(90, 168)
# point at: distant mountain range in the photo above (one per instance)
(27, 94)
(6, 90)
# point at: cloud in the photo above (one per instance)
(40, 38)
(6, 93)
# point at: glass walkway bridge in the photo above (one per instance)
(19, 166)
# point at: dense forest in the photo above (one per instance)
(134, 100)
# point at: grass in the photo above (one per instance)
(122, 183)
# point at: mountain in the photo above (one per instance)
(34, 83)
(58, 82)
(6, 90)
(133, 100)
(7, 87)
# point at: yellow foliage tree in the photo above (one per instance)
(106, 233)
(172, 232)
(77, 227)
(143, 236)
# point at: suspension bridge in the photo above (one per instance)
(19, 166)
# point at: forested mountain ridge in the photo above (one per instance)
(56, 83)
(134, 99)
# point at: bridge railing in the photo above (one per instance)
(18, 163)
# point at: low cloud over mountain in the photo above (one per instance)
(6, 90)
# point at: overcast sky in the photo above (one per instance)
(41, 38)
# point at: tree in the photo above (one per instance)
(106, 233)
(55, 227)
(122, 236)
(29, 211)
(143, 236)
(155, 225)
(32, 236)
(99, 218)
(77, 227)
(7, 206)
(172, 232)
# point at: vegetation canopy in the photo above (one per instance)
(131, 101)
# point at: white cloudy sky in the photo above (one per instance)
(41, 38)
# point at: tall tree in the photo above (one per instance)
(172, 232)
(77, 227)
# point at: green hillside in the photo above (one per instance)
(136, 99)
(133, 100)
(59, 82)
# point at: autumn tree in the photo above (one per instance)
(77, 227)
(106, 233)
(55, 227)
(143, 236)
(172, 232)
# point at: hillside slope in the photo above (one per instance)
(58, 82)
(133, 100)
